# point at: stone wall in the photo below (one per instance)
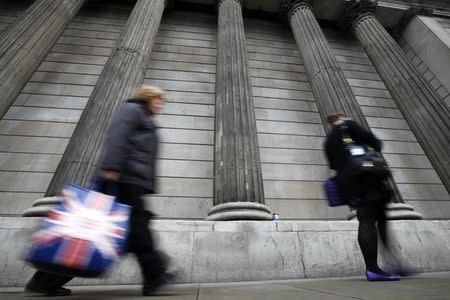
(35, 131)
(416, 179)
(426, 41)
(10, 10)
(290, 130)
(206, 251)
(183, 62)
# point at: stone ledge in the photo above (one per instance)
(208, 251)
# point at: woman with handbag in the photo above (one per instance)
(127, 166)
(366, 190)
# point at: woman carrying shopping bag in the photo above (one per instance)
(127, 162)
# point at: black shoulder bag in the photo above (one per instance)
(362, 159)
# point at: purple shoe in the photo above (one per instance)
(371, 276)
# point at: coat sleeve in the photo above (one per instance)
(330, 155)
(363, 136)
(117, 143)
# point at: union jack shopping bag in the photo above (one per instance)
(83, 236)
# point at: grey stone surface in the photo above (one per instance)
(185, 122)
(409, 88)
(294, 172)
(51, 101)
(424, 192)
(28, 162)
(188, 108)
(58, 89)
(293, 156)
(179, 75)
(227, 251)
(315, 209)
(408, 161)
(402, 147)
(38, 128)
(64, 78)
(70, 68)
(202, 137)
(289, 141)
(184, 168)
(205, 251)
(176, 207)
(33, 144)
(134, 46)
(290, 127)
(185, 187)
(43, 114)
(293, 189)
(25, 43)
(431, 42)
(416, 176)
(292, 105)
(182, 66)
(237, 166)
(14, 203)
(76, 58)
(24, 181)
(62, 48)
(186, 151)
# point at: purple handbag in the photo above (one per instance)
(333, 196)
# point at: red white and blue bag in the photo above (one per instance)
(83, 236)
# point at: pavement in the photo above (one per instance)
(428, 286)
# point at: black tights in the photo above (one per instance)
(370, 216)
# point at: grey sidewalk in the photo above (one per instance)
(433, 286)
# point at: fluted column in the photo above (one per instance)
(238, 186)
(123, 72)
(26, 42)
(423, 109)
(330, 87)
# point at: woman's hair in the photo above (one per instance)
(331, 118)
(146, 93)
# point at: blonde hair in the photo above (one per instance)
(147, 93)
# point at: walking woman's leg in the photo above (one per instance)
(368, 236)
(48, 283)
(140, 240)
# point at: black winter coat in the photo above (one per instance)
(353, 189)
(131, 145)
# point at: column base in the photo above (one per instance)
(239, 211)
(41, 207)
(395, 211)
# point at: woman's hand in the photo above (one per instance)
(110, 175)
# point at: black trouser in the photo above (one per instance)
(371, 214)
(140, 242)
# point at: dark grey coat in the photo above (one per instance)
(131, 146)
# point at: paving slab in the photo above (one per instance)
(428, 286)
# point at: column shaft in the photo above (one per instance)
(426, 113)
(329, 85)
(26, 42)
(123, 72)
(237, 165)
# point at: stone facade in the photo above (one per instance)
(38, 126)
(289, 66)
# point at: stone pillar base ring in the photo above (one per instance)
(239, 211)
(395, 211)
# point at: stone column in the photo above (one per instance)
(329, 85)
(123, 72)
(238, 186)
(426, 113)
(26, 42)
